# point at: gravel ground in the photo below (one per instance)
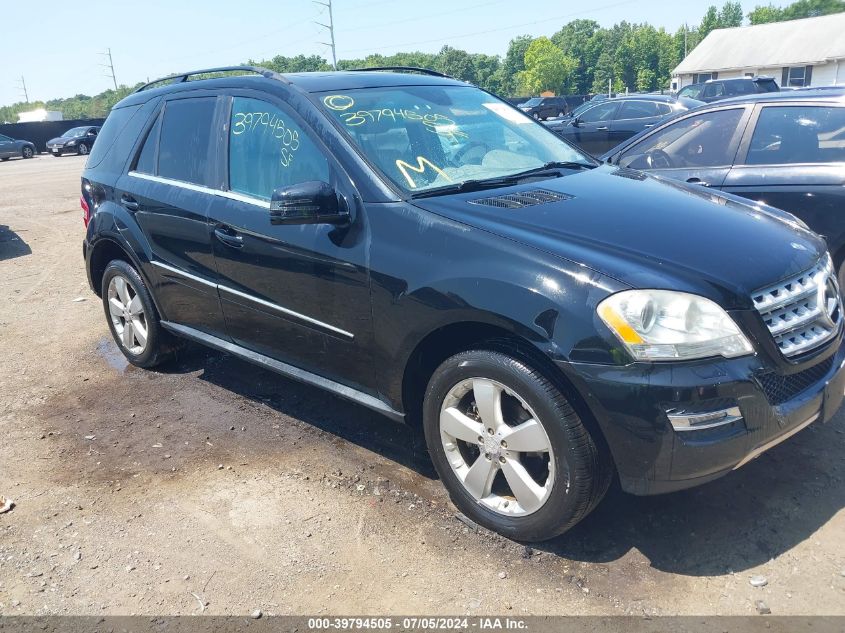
(215, 487)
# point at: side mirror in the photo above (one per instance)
(312, 202)
(576, 122)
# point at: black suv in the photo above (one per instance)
(77, 140)
(717, 89)
(420, 247)
(542, 108)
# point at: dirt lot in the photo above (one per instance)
(215, 485)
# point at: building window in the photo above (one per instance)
(797, 76)
(702, 77)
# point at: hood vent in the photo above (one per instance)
(522, 199)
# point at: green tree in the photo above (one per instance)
(546, 67)
(575, 39)
(730, 15)
(709, 22)
(763, 14)
(513, 64)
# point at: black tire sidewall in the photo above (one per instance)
(153, 352)
(563, 507)
(24, 150)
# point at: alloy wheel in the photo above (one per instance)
(27, 152)
(497, 447)
(83, 149)
(127, 315)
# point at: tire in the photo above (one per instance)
(59, 155)
(82, 149)
(156, 347)
(4, 159)
(27, 152)
(570, 477)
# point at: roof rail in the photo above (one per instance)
(407, 69)
(183, 77)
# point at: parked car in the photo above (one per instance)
(544, 107)
(10, 148)
(785, 149)
(718, 89)
(604, 124)
(420, 247)
(77, 140)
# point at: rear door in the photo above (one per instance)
(793, 158)
(698, 148)
(634, 117)
(7, 146)
(298, 293)
(170, 192)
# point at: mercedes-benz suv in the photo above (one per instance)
(418, 246)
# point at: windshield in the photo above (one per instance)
(75, 131)
(533, 102)
(424, 137)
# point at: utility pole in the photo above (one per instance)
(330, 27)
(686, 29)
(110, 66)
(23, 87)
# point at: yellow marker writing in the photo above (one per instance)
(422, 163)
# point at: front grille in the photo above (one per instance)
(522, 199)
(802, 312)
(780, 389)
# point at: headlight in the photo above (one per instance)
(71, 143)
(668, 325)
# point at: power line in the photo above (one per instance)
(418, 18)
(330, 27)
(110, 66)
(485, 32)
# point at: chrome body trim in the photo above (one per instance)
(780, 438)
(231, 195)
(262, 302)
(707, 420)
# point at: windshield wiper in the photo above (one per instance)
(501, 181)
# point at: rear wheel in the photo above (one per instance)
(4, 159)
(132, 316)
(513, 454)
(82, 149)
(27, 152)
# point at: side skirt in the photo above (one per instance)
(290, 371)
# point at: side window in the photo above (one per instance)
(147, 160)
(638, 110)
(185, 141)
(268, 149)
(798, 134)
(714, 90)
(602, 112)
(703, 140)
(663, 109)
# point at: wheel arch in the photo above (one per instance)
(461, 336)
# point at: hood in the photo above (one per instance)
(648, 232)
(61, 139)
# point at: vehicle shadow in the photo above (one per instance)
(11, 245)
(732, 524)
(342, 418)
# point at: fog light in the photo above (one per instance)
(698, 420)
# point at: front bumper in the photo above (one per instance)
(632, 404)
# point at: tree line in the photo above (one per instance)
(581, 58)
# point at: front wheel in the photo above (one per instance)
(82, 149)
(132, 316)
(27, 152)
(510, 449)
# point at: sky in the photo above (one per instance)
(58, 47)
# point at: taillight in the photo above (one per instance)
(86, 211)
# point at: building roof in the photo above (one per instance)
(791, 43)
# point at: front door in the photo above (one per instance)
(7, 146)
(296, 293)
(591, 130)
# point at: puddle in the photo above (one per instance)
(112, 355)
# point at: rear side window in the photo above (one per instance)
(638, 110)
(114, 125)
(185, 140)
(602, 112)
(268, 149)
(798, 134)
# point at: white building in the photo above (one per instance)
(808, 52)
(38, 115)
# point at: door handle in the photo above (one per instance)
(649, 125)
(229, 237)
(129, 203)
(698, 181)
(601, 129)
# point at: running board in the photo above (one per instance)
(290, 371)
